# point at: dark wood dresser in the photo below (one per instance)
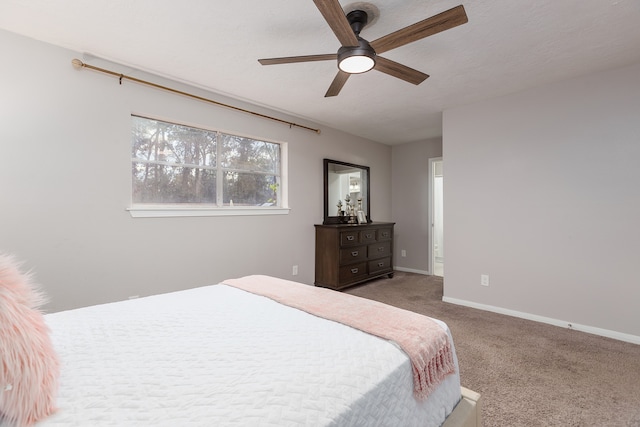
(347, 254)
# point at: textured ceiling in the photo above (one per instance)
(505, 47)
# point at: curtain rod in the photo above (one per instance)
(79, 65)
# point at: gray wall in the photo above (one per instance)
(65, 184)
(542, 193)
(410, 200)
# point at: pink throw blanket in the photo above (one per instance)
(424, 341)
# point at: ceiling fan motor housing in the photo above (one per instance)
(361, 58)
(364, 50)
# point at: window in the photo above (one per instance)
(180, 168)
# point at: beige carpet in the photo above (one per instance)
(529, 373)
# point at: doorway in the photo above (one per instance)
(436, 217)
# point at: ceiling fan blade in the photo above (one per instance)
(336, 86)
(428, 27)
(400, 71)
(292, 59)
(335, 17)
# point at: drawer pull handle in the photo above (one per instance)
(380, 248)
(354, 253)
(350, 238)
(368, 235)
(381, 264)
(354, 270)
(385, 234)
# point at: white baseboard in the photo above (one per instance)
(561, 323)
(411, 270)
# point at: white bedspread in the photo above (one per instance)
(219, 356)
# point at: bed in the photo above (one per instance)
(221, 355)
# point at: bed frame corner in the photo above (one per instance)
(468, 411)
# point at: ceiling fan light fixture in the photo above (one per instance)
(358, 59)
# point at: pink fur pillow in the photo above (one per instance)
(30, 367)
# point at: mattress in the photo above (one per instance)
(217, 355)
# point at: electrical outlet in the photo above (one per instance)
(403, 253)
(294, 270)
(484, 279)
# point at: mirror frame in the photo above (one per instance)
(337, 219)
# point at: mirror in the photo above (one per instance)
(347, 185)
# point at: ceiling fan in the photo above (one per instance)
(357, 55)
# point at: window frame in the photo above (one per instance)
(164, 210)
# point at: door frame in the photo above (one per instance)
(432, 253)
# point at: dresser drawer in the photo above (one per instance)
(353, 254)
(368, 236)
(378, 265)
(350, 237)
(379, 250)
(349, 273)
(385, 234)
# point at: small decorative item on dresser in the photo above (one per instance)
(362, 218)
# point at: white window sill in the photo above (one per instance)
(187, 211)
